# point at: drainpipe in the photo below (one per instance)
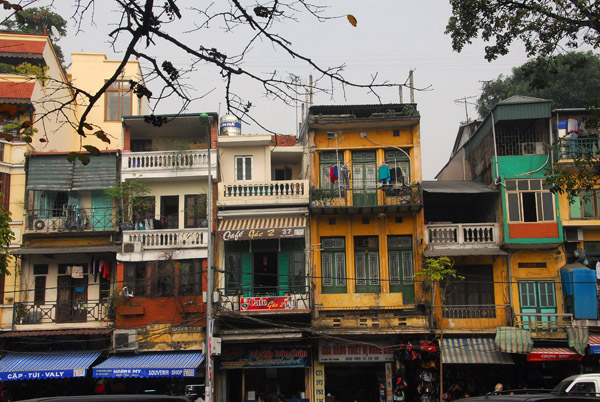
(510, 299)
(495, 148)
(208, 379)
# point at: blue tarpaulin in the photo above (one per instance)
(49, 365)
(167, 364)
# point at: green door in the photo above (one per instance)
(367, 272)
(101, 214)
(364, 179)
(538, 297)
(283, 273)
(247, 274)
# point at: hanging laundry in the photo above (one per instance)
(107, 270)
(77, 272)
(383, 174)
(598, 270)
(79, 289)
(333, 174)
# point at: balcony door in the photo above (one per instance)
(538, 297)
(101, 214)
(364, 178)
(169, 211)
(71, 299)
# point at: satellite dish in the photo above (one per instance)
(54, 31)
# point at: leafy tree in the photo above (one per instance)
(569, 80)
(544, 26)
(6, 237)
(142, 28)
(39, 20)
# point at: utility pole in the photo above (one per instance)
(208, 379)
(466, 101)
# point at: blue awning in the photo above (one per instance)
(167, 364)
(46, 365)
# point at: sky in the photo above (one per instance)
(391, 38)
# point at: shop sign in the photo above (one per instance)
(389, 391)
(136, 373)
(319, 376)
(263, 356)
(256, 234)
(552, 356)
(340, 352)
(42, 375)
(266, 303)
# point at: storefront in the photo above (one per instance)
(375, 372)
(249, 370)
(547, 366)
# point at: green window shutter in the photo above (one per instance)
(575, 207)
(283, 273)
(247, 274)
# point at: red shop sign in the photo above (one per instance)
(266, 303)
(552, 354)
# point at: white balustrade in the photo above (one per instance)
(285, 190)
(168, 238)
(166, 162)
(462, 234)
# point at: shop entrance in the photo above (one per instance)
(349, 383)
(267, 382)
(265, 274)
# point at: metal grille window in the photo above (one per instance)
(243, 168)
(517, 138)
(529, 201)
(117, 100)
(366, 264)
(333, 265)
(472, 297)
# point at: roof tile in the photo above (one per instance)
(16, 90)
(21, 46)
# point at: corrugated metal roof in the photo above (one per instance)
(65, 250)
(458, 252)
(457, 186)
(58, 332)
(100, 173)
(51, 172)
(522, 99)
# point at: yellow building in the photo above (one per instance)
(366, 239)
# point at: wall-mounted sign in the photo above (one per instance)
(263, 356)
(341, 352)
(257, 234)
(266, 303)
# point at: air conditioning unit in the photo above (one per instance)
(532, 148)
(135, 247)
(573, 235)
(125, 340)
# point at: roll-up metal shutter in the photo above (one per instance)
(49, 172)
(99, 174)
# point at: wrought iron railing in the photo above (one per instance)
(71, 218)
(383, 195)
(540, 322)
(574, 148)
(29, 313)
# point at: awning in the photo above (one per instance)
(457, 252)
(578, 339)
(46, 365)
(262, 228)
(552, 354)
(513, 340)
(64, 250)
(57, 332)
(594, 342)
(456, 187)
(166, 364)
(473, 351)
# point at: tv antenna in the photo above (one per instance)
(467, 101)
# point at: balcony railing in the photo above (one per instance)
(168, 238)
(278, 192)
(71, 218)
(29, 313)
(166, 163)
(540, 322)
(462, 234)
(483, 316)
(382, 196)
(568, 148)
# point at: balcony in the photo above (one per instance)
(71, 219)
(346, 200)
(167, 164)
(483, 317)
(544, 324)
(84, 311)
(462, 235)
(284, 192)
(166, 238)
(567, 148)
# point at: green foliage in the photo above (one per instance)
(31, 69)
(569, 80)
(132, 196)
(18, 129)
(37, 20)
(6, 237)
(573, 179)
(544, 27)
(439, 271)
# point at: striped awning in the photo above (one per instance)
(46, 365)
(594, 342)
(513, 340)
(552, 354)
(473, 351)
(262, 228)
(166, 364)
(578, 339)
